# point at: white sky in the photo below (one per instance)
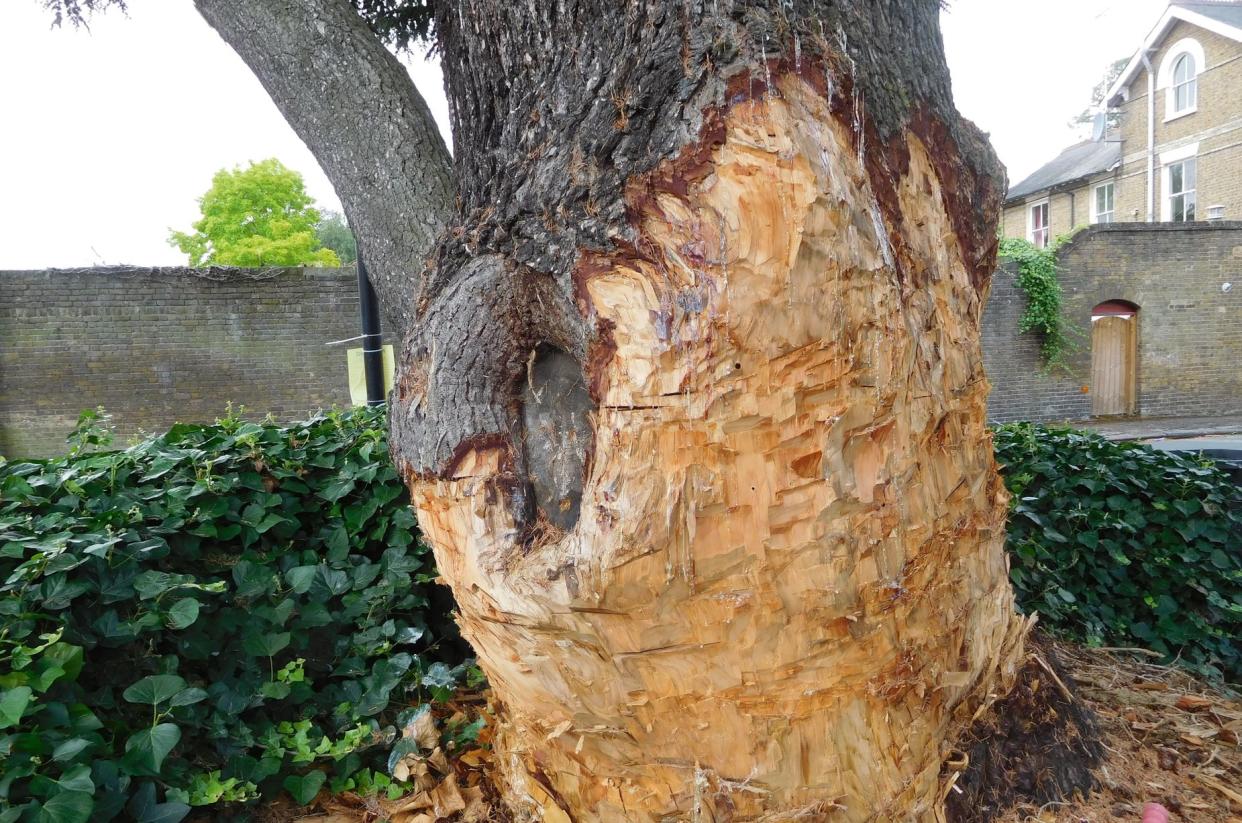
(107, 137)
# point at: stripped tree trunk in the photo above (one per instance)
(693, 405)
(694, 413)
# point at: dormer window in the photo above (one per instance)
(1185, 84)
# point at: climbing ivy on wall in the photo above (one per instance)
(1037, 277)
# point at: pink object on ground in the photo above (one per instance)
(1155, 813)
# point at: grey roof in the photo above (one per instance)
(1078, 161)
(1228, 12)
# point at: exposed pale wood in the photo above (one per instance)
(786, 589)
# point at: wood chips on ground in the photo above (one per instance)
(1169, 738)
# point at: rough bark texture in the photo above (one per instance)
(355, 107)
(693, 412)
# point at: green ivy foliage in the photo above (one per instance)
(214, 615)
(1124, 545)
(1045, 314)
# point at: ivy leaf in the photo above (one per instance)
(265, 644)
(151, 584)
(300, 578)
(330, 582)
(13, 703)
(337, 489)
(67, 657)
(70, 749)
(439, 675)
(252, 579)
(77, 779)
(187, 697)
(273, 690)
(304, 788)
(67, 807)
(154, 689)
(148, 748)
(183, 613)
(144, 809)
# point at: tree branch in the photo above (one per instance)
(355, 107)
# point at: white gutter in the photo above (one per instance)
(1151, 139)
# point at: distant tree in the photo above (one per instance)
(258, 216)
(1098, 103)
(334, 233)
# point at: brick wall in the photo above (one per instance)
(156, 346)
(1189, 335)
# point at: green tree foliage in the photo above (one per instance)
(214, 615)
(258, 216)
(334, 233)
(1125, 545)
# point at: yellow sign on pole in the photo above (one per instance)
(358, 375)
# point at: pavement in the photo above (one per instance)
(1153, 428)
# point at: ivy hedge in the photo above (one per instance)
(213, 615)
(227, 612)
(1120, 544)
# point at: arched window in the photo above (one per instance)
(1185, 84)
(1178, 77)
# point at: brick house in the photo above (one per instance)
(1176, 155)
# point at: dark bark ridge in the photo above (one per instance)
(561, 113)
(355, 107)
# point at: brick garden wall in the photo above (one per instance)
(1189, 335)
(156, 346)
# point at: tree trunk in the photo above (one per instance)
(358, 112)
(693, 411)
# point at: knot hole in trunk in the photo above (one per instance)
(559, 433)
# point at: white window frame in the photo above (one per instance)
(1168, 160)
(1187, 46)
(1190, 85)
(1030, 222)
(1109, 215)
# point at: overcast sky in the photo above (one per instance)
(109, 136)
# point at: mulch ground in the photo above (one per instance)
(1167, 737)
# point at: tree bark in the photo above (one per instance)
(692, 407)
(694, 412)
(355, 107)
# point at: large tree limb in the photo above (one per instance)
(357, 110)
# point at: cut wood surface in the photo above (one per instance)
(787, 586)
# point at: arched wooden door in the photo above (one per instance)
(1114, 359)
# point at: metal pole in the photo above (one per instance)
(372, 337)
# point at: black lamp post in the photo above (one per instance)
(372, 337)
